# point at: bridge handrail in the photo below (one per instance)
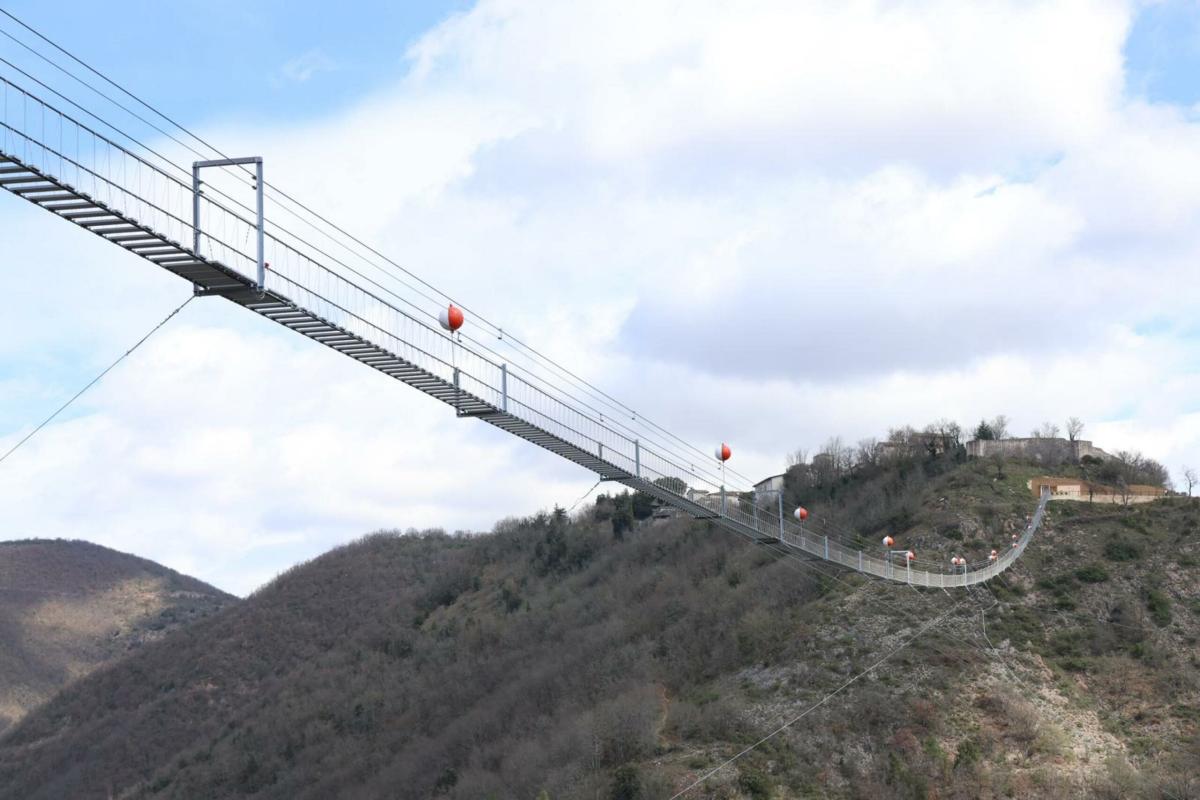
(123, 181)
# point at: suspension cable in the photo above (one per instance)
(505, 336)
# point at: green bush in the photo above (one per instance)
(1092, 573)
(755, 784)
(968, 754)
(627, 784)
(643, 505)
(622, 522)
(1159, 606)
(1118, 549)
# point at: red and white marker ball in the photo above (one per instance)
(801, 513)
(888, 541)
(723, 452)
(451, 318)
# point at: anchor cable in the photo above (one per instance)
(96, 379)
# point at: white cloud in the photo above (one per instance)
(303, 67)
(760, 223)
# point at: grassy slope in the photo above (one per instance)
(68, 607)
(551, 656)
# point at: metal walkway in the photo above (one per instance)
(67, 168)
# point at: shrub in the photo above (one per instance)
(755, 784)
(968, 754)
(1159, 606)
(643, 505)
(627, 784)
(1118, 549)
(1092, 573)
(622, 521)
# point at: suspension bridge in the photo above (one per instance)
(168, 214)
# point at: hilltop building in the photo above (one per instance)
(913, 443)
(1037, 448)
(766, 490)
(1088, 491)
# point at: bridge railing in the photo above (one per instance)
(160, 198)
(922, 572)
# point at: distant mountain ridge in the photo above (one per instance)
(68, 607)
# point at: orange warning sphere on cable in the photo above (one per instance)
(802, 513)
(888, 541)
(723, 452)
(451, 318)
(910, 555)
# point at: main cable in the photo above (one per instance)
(517, 342)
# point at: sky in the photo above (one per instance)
(759, 223)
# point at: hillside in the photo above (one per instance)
(68, 607)
(581, 660)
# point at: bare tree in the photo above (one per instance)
(1047, 430)
(797, 457)
(997, 459)
(832, 461)
(867, 453)
(1074, 428)
(999, 426)
(1189, 477)
(947, 432)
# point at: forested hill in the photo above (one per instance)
(558, 658)
(68, 607)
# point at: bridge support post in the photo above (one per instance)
(196, 208)
(262, 264)
(504, 390)
(637, 457)
(261, 276)
(780, 496)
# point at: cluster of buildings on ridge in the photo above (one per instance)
(1050, 450)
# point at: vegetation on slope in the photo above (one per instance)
(565, 658)
(68, 607)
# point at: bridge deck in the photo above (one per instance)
(428, 361)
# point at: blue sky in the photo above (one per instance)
(1163, 52)
(781, 212)
(268, 59)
